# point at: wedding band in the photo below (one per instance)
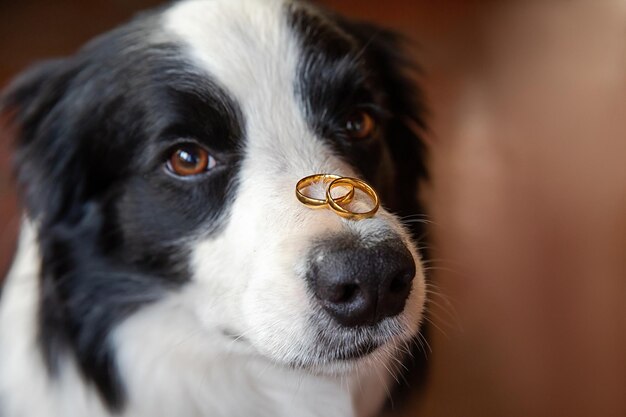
(334, 203)
(315, 202)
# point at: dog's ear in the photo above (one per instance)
(45, 160)
(386, 52)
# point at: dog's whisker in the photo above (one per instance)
(442, 302)
(421, 337)
(446, 309)
(386, 386)
(442, 269)
(436, 326)
(441, 261)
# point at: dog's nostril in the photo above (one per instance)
(400, 283)
(347, 293)
(340, 293)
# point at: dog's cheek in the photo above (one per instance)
(217, 282)
(276, 306)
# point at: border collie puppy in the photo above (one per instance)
(165, 266)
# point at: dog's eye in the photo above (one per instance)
(360, 125)
(190, 159)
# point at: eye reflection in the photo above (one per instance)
(190, 159)
(360, 125)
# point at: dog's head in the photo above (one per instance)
(159, 165)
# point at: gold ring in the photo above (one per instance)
(315, 202)
(354, 183)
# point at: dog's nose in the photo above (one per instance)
(361, 285)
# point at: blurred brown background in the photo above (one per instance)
(527, 197)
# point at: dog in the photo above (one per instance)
(165, 266)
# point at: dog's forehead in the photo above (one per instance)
(255, 50)
(245, 45)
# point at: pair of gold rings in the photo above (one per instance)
(336, 204)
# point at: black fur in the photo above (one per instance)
(94, 133)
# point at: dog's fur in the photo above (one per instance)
(138, 293)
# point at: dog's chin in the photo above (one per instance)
(338, 350)
(347, 361)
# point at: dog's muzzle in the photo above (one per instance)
(357, 284)
(360, 284)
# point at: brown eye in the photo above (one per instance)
(360, 125)
(189, 160)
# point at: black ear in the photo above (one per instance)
(386, 52)
(49, 109)
(45, 158)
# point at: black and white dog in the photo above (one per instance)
(165, 267)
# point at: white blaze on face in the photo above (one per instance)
(249, 277)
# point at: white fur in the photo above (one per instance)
(172, 355)
(25, 388)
